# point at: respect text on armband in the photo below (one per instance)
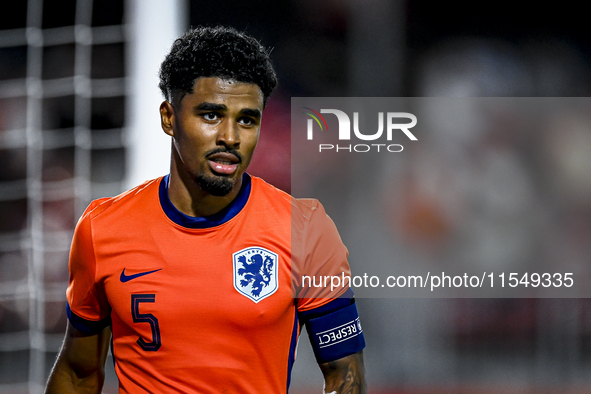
(339, 334)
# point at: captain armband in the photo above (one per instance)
(336, 335)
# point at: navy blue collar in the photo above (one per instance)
(209, 221)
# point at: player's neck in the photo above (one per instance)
(188, 197)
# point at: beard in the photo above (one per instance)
(218, 186)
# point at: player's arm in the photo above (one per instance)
(80, 366)
(337, 340)
(345, 375)
(334, 327)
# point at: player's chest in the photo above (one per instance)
(186, 275)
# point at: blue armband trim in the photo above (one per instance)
(336, 335)
(87, 326)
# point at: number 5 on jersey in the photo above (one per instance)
(136, 300)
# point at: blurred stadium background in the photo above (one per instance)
(79, 120)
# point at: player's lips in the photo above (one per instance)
(223, 162)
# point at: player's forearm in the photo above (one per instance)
(345, 376)
(65, 381)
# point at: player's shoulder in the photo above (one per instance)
(300, 206)
(306, 206)
(263, 190)
(106, 205)
(308, 213)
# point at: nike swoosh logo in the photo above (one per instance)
(126, 278)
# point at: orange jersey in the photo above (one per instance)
(200, 305)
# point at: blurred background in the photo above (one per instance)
(79, 120)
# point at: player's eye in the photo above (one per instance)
(246, 121)
(209, 116)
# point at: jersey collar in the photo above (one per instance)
(209, 221)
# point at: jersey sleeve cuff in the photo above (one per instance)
(84, 325)
(343, 301)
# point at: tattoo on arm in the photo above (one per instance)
(345, 376)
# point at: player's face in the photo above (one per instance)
(215, 130)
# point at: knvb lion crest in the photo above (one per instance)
(255, 272)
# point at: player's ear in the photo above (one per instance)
(167, 117)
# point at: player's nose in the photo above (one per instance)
(228, 134)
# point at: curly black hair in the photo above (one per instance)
(221, 52)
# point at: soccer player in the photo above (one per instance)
(194, 277)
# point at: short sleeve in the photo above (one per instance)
(319, 257)
(88, 308)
